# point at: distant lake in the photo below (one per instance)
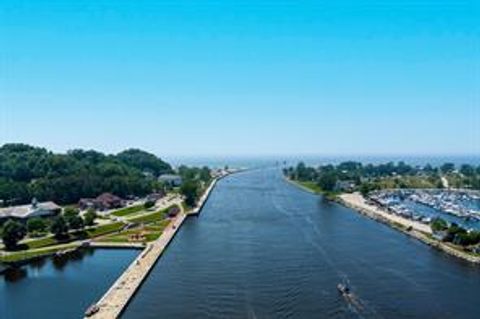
(61, 287)
(266, 161)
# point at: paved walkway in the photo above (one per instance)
(357, 201)
(118, 296)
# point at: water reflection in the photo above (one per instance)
(14, 274)
(60, 286)
(59, 261)
(38, 263)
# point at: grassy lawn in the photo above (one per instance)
(41, 242)
(155, 224)
(153, 217)
(78, 235)
(128, 210)
(28, 254)
(311, 186)
(185, 206)
(158, 225)
(104, 229)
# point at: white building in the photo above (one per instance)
(173, 180)
(34, 209)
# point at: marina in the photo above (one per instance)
(460, 207)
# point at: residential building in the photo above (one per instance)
(105, 201)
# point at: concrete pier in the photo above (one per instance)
(118, 296)
(203, 199)
(121, 292)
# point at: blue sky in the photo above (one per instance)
(241, 77)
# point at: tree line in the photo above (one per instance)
(27, 171)
(455, 233)
(13, 231)
(195, 180)
(388, 175)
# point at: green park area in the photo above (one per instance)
(59, 234)
(128, 210)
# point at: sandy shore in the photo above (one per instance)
(358, 202)
(415, 229)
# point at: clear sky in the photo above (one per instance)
(242, 77)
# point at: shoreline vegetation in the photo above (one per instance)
(142, 220)
(415, 229)
(349, 185)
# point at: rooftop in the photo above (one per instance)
(25, 211)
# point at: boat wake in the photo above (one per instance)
(355, 304)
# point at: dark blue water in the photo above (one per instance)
(61, 288)
(265, 249)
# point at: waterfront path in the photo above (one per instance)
(358, 202)
(117, 297)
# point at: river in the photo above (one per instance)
(263, 248)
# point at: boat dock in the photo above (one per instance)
(119, 295)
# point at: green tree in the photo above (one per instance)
(327, 181)
(59, 226)
(27, 172)
(467, 170)
(149, 204)
(90, 217)
(36, 225)
(447, 168)
(189, 189)
(366, 188)
(70, 211)
(438, 224)
(144, 161)
(205, 174)
(75, 222)
(12, 233)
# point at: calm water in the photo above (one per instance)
(61, 288)
(315, 160)
(264, 249)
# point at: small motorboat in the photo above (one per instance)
(343, 289)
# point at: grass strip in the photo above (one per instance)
(128, 210)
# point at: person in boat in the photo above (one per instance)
(343, 288)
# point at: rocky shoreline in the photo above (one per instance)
(423, 237)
